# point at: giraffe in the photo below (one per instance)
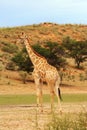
(43, 72)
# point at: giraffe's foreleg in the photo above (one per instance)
(39, 93)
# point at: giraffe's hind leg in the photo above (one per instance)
(52, 94)
(58, 94)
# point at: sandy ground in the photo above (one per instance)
(11, 83)
(15, 87)
(29, 118)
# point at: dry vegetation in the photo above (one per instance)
(40, 33)
(45, 32)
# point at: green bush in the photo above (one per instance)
(86, 75)
(10, 48)
(23, 76)
(1, 68)
(81, 77)
(10, 66)
(22, 60)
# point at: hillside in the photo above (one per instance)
(45, 32)
(39, 33)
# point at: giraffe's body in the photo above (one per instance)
(43, 72)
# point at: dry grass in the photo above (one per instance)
(29, 118)
(45, 32)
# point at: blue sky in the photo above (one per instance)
(28, 12)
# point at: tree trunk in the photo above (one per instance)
(78, 64)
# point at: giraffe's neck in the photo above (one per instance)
(34, 56)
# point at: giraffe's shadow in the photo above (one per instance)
(27, 106)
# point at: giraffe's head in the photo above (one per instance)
(24, 37)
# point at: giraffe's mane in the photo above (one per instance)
(36, 52)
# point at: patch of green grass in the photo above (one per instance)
(31, 99)
(74, 98)
(17, 99)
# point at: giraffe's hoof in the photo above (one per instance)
(41, 111)
(60, 110)
(37, 105)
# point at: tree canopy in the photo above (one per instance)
(76, 49)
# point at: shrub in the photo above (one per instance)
(0, 68)
(23, 76)
(22, 60)
(68, 122)
(86, 75)
(10, 48)
(10, 66)
(81, 77)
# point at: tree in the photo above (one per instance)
(22, 60)
(77, 50)
(53, 52)
(41, 50)
(56, 54)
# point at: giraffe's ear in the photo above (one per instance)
(22, 33)
(26, 36)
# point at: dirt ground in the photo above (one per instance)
(29, 118)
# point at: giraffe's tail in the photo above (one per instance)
(59, 93)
